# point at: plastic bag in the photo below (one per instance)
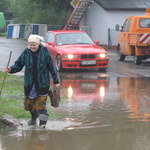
(54, 95)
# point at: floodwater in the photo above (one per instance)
(100, 113)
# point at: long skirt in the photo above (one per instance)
(38, 103)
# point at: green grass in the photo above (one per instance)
(12, 98)
(3, 34)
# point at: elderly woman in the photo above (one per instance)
(38, 67)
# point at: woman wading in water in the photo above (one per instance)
(39, 68)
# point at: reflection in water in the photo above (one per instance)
(70, 92)
(108, 114)
(102, 92)
(136, 94)
(81, 89)
(81, 95)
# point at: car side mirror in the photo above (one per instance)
(97, 42)
(51, 43)
(117, 27)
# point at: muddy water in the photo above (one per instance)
(97, 114)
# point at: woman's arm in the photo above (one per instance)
(18, 65)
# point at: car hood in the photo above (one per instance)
(80, 49)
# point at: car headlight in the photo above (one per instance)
(103, 55)
(70, 56)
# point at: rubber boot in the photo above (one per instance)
(43, 120)
(31, 122)
(34, 116)
(43, 123)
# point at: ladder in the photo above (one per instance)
(76, 15)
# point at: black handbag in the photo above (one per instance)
(54, 95)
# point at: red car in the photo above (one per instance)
(75, 49)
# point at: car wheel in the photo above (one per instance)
(59, 63)
(137, 60)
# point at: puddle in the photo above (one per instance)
(104, 113)
(54, 125)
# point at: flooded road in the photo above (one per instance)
(99, 111)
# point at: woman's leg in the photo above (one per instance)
(43, 117)
(40, 105)
(34, 116)
(29, 105)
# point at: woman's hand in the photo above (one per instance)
(7, 69)
(56, 85)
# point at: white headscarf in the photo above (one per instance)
(35, 38)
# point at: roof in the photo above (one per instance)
(124, 4)
(66, 31)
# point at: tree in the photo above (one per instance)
(4, 7)
(41, 12)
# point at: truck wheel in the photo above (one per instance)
(137, 60)
(121, 57)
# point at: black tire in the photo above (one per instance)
(121, 57)
(59, 63)
(137, 60)
(102, 69)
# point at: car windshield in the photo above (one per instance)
(73, 38)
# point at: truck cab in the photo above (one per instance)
(134, 38)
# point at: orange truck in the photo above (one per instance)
(134, 38)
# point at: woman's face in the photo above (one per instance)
(33, 46)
